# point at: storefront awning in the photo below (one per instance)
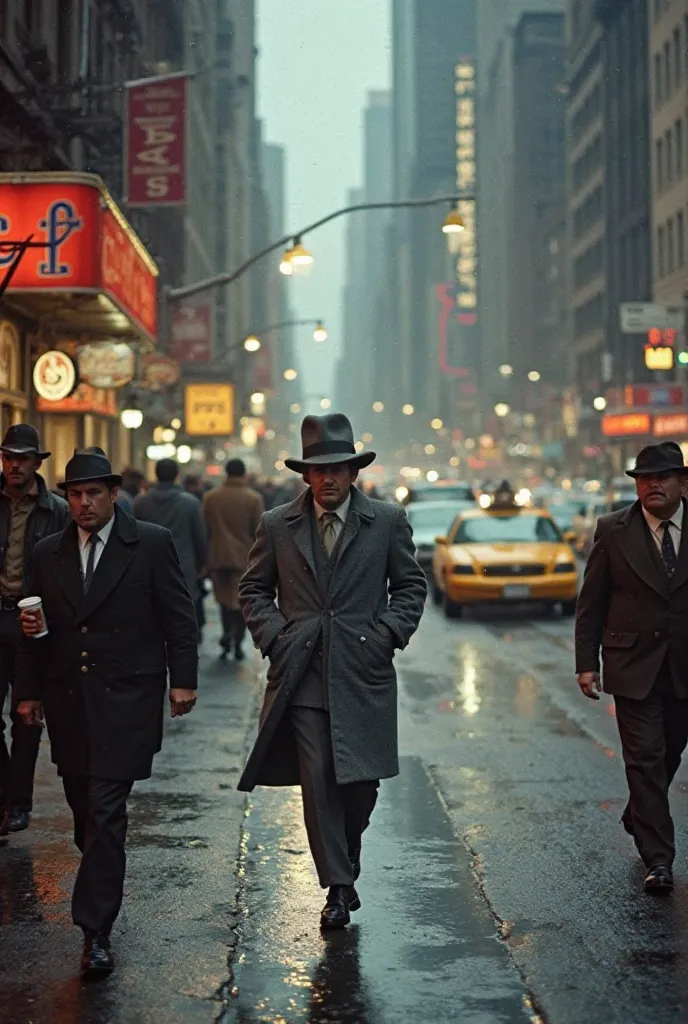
(93, 278)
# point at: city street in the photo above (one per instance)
(497, 885)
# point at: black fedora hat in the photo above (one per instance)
(23, 439)
(664, 457)
(88, 465)
(327, 440)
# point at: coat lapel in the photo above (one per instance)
(113, 563)
(298, 517)
(67, 568)
(634, 545)
(681, 573)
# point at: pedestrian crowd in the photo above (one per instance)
(102, 587)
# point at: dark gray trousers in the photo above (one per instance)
(99, 807)
(336, 816)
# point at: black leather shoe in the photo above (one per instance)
(96, 959)
(355, 859)
(239, 653)
(341, 901)
(659, 880)
(19, 821)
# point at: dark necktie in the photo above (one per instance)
(93, 542)
(668, 550)
(327, 530)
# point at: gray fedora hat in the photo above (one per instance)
(88, 465)
(664, 457)
(327, 440)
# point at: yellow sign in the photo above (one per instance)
(661, 358)
(209, 410)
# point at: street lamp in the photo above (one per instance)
(290, 374)
(378, 406)
(534, 376)
(506, 370)
(453, 223)
(294, 408)
(325, 403)
(252, 343)
(600, 403)
(131, 416)
(408, 410)
(320, 332)
(437, 423)
(501, 409)
(298, 258)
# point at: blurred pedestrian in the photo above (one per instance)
(133, 483)
(119, 620)
(28, 512)
(232, 514)
(168, 505)
(193, 484)
(634, 606)
(272, 494)
(332, 589)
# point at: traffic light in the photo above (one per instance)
(683, 358)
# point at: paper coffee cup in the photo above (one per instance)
(35, 604)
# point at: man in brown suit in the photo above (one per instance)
(232, 514)
(634, 605)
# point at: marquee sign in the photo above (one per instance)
(89, 246)
(467, 261)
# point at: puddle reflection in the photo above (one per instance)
(339, 991)
(466, 680)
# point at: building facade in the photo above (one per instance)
(668, 72)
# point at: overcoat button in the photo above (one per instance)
(363, 639)
(331, 615)
(657, 635)
(309, 644)
(84, 654)
(84, 629)
(84, 668)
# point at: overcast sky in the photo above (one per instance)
(318, 59)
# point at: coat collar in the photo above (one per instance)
(114, 561)
(638, 548)
(298, 517)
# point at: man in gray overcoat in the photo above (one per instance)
(332, 589)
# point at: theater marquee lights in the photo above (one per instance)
(467, 261)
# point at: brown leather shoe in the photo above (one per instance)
(659, 881)
(341, 901)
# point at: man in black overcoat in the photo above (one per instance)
(634, 606)
(119, 619)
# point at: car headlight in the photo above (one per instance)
(463, 570)
(564, 567)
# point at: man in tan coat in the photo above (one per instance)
(232, 514)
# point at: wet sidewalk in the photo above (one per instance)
(424, 945)
(172, 937)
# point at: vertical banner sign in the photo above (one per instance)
(467, 262)
(156, 141)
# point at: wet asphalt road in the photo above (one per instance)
(497, 885)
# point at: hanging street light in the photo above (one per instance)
(600, 403)
(378, 406)
(506, 370)
(453, 223)
(325, 403)
(501, 409)
(534, 376)
(252, 343)
(290, 374)
(320, 332)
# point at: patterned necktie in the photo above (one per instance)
(327, 530)
(93, 542)
(668, 549)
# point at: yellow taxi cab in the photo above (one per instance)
(503, 553)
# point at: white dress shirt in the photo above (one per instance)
(341, 514)
(675, 527)
(84, 537)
